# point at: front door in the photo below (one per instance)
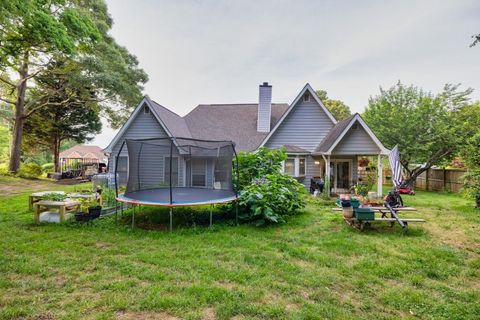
(340, 175)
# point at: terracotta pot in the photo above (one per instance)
(348, 213)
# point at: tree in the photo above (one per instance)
(34, 33)
(426, 127)
(74, 118)
(338, 109)
(470, 148)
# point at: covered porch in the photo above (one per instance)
(350, 154)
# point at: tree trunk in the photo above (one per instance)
(56, 154)
(21, 89)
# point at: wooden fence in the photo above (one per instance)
(434, 179)
(440, 180)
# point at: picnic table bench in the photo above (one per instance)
(384, 210)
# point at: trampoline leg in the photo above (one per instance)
(116, 211)
(171, 214)
(211, 208)
(236, 212)
(133, 217)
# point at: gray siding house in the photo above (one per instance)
(317, 145)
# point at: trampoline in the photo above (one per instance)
(172, 172)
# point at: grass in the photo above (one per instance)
(314, 267)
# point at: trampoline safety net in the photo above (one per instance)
(179, 171)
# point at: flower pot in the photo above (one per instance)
(348, 212)
(95, 212)
(82, 217)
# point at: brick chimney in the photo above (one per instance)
(264, 107)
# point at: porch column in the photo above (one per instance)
(379, 176)
(327, 174)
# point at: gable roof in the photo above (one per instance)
(175, 124)
(306, 88)
(83, 151)
(336, 134)
(235, 122)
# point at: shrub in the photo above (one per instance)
(30, 170)
(47, 167)
(271, 199)
(4, 170)
(471, 185)
(266, 194)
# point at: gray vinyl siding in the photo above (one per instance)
(358, 142)
(144, 126)
(305, 126)
(312, 170)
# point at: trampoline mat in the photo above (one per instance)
(181, 196)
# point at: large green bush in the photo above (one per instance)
(266, 194)
(30, 170)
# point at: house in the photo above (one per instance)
(83, 152)
(316, 144)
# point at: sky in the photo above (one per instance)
(220, 51)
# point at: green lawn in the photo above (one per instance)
(314, 267)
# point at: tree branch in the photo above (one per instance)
(31, 111)
(7, 101)
(8, 82)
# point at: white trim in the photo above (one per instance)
(292, 105)
(358, 118)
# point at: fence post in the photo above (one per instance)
(426, 179)
(444, 179)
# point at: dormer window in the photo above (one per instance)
(146, 110)
(306, 97)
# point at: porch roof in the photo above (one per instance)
(290, 148)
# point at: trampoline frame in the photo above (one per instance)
(123, 199)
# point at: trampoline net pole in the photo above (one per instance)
(171, 223)
(171, 161)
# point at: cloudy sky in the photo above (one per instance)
(219, 51)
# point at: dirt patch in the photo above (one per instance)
(12, 186)
(455, 236)
(102, 245)
(144, 315)
(209, 314)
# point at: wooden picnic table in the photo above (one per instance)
(37, 196)
(379, 209)
(62, 207)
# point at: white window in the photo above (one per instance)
(290, 166)
(166, 176)
(295, 167)
(199, 173)
(301, 167)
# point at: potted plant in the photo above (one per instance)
(363, 162)
(89, 210)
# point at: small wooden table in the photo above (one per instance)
(37, 196)
(62, 207)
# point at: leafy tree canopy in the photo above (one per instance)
(426, 126)
(35, 33)
(338, 108)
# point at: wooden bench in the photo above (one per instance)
(62, 207)
(37, 196)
